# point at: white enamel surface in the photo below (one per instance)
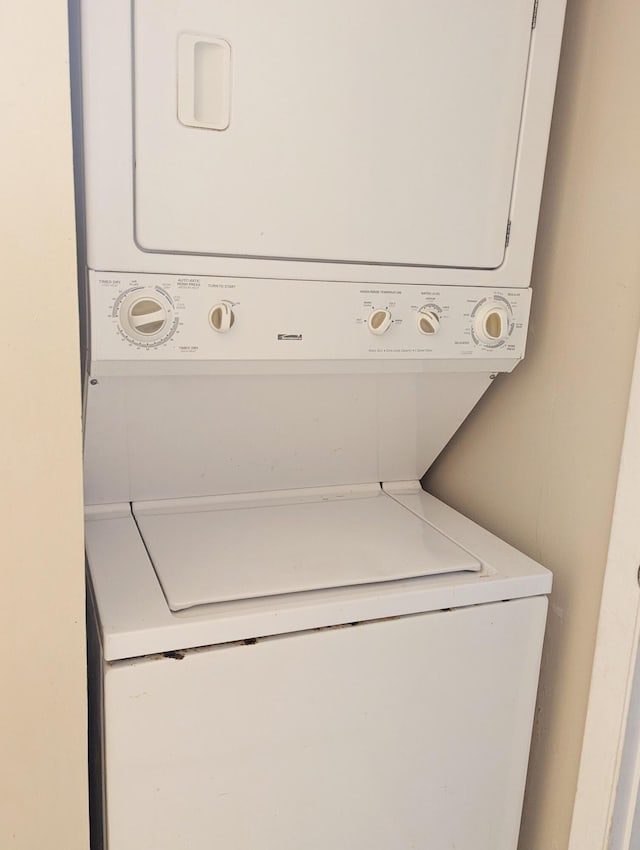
(170, 436)
(344, 122)
(296, 320)
(216, 550)
(109, 141)
(408, 732)
(135, 618)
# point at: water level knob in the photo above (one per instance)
(428, 321)
(379, 321)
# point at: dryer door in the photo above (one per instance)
(334, 131)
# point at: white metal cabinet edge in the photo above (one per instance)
(108, 157)
(241, 725)
(138, 622)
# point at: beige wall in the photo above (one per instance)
(42, 707)
(558, 420)
(537, 462)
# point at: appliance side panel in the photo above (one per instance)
(372, 736)
(75, 68)
(161, 437)
(95, 665)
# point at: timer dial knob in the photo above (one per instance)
(428, 321)
(491, 323)
(222, 317)
(379, 321)
(143, 316)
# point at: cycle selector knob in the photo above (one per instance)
(491, 323)
(221, 317)
(428, 322)
(143, 316)
(379, 321)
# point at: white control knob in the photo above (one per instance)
(144, 317)
(222, 317)
(491, 323)
(428, 321)
(379, 321)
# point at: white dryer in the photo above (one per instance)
(308, 232)
(324, 141)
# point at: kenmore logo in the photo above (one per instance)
(290, 336)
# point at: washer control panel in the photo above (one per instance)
(172, 317)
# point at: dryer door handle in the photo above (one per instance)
(204, 82)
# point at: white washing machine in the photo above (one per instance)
(307, 234)
(310, 669)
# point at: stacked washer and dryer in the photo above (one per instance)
(309, 232)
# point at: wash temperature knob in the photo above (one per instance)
(222, 317)
(379, 321)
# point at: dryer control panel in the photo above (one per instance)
(181, 317)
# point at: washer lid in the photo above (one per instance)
(227, 548)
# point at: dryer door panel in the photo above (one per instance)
(323, 131)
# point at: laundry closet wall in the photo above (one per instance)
(537, 462)
(42, 707)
